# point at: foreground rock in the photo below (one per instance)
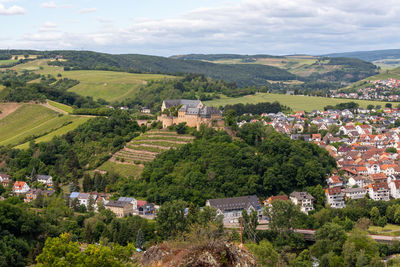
(210, 255)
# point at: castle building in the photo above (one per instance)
(192, 112)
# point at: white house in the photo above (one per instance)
(360, 181)
(45, 179)
(354, 193)
(231, 208)
(379, 191)
(20, 187)
(304, 200)
(335, 197)
(394, 186)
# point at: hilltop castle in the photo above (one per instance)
(193, 112)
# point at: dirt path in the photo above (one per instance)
(8, 108)
(54, 108)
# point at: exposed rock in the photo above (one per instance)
(216, 255)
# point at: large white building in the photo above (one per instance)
(304, 200)
(335, 197)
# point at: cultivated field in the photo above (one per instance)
(299, 65)
(108, 85)
(62, 107)
(27, 120)
(75, 121)
(144, 148)
(296, 102)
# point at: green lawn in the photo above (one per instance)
(63, 107)
(306, 103)
(126, 170)
(1, 87)
(75, 122)
(35, 120)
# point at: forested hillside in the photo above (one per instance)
(241, 75)
(216, 166)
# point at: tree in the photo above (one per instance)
(91, 202)
(171, 219)
(87, 183)
(303, 260)
(140, 239)
(264, 252)
(62, 251)
(374, 215)
(370, 107)
(388, 105)
(359, 249)
(39, 200)
(333, 129)
(181, 128)
(329, 238)
(283, 215)
(391, 150)
(250, 223)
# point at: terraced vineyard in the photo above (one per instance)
(144, 148)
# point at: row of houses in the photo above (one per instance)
(122, 207)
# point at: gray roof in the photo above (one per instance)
(301, 195)
(43, 177)
(206, 112)
(353, 190)
(126, 199)
(116, 203)
(185, 102)
(235, 203)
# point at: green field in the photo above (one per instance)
(8, 61)
(75, 122)
(388, 230)
(108, 85)
(63, 107)
(126, 170)
(35, 120)
(296, 102)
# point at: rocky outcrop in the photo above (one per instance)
(215, 255)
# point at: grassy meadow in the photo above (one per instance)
(75, 122)
(35, 120)
(108, 85)
(296, 102)
(63, 107)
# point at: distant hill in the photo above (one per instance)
(242, 75)
(369, 55)
(213, 57)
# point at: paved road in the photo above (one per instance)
(309, 232)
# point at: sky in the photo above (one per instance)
(173, 27)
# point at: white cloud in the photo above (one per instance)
(12, 10)
(50, 4)
(87, 10)
(48, 27)
(251, 26)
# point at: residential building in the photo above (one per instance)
(33, 193)
(335, 197)
(354, 193)
(231, 208)
(145, 208)
(20, 187)
(131, 200)
(304, 200)
(119, 208)
(395, 188)
(378, 191)
(44, 179)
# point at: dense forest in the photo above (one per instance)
(266, 163)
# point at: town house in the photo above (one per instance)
(304, 200)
